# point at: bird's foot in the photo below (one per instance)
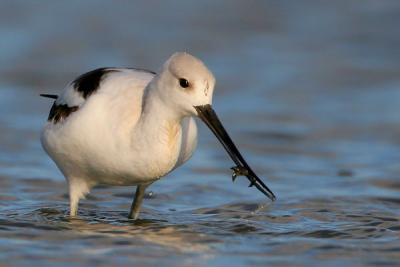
(238, 171)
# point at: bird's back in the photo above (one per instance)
(91, 119)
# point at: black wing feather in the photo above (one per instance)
(49, 96)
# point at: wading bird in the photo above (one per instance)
(123, 126)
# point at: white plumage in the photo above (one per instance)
(119, 126)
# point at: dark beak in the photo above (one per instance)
(210, 118)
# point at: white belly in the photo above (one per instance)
(104, 156)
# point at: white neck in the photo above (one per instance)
(156, 112)
(158, 132)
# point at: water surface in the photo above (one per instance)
(309, 91)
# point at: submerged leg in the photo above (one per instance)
(137, 201)
(77, 189)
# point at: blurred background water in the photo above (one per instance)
(309, 90)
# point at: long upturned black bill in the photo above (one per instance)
(210, 118)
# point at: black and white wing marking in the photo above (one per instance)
(89, 82)
(60, 112)
(76, 93)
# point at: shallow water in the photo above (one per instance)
(310, 92)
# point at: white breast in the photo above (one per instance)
(97, 142)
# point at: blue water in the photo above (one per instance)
(308, 90)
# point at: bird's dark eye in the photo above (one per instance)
(184, 83)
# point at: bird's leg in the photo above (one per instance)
(78, 188)
(137, 201)
(73, 206)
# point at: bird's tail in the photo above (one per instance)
(49, 96)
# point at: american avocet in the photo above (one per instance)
(122, 126)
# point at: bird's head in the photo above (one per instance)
(186, 86)
(184, 83)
